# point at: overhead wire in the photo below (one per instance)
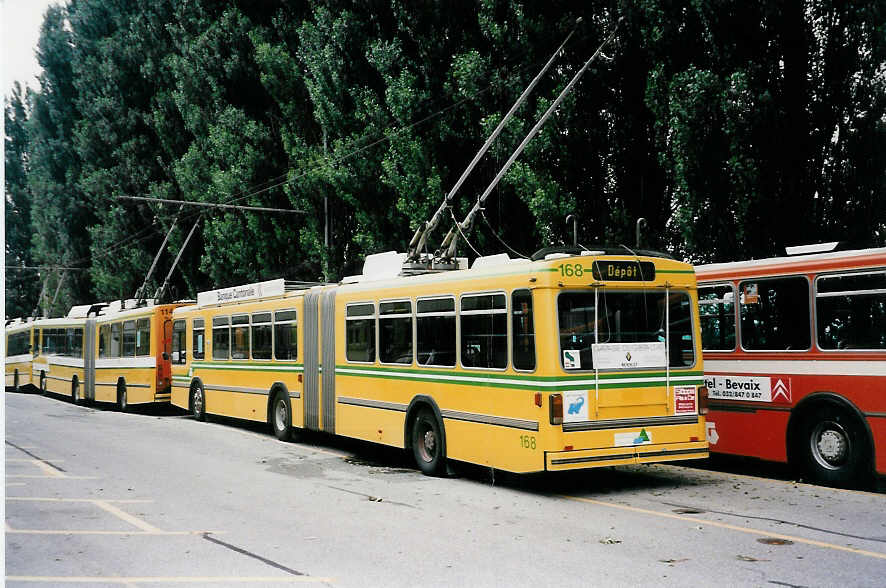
(275, 182)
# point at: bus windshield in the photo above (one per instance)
(625, 317)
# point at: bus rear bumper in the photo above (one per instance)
(590, 458)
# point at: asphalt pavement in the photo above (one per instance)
(99, 498)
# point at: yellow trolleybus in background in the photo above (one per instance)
(575, 360)
(19, 353)
(106, 353)
(129, 353)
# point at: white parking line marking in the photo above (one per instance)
(53, 499)
(50, 471)
(62, 477)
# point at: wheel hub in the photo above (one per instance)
(281, 415)
(830, 445)
(430, 442)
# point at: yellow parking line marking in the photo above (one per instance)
(50, 471)
(132, 520)
(786, 482)
(41, 499)
(171, 579)
(747, 530)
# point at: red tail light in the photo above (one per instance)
(556, 409)
(702, 400)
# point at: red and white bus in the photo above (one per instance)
(795, 361)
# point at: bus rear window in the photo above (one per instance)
(851, 311)
(624, 317)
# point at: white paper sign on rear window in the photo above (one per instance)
(629, 355)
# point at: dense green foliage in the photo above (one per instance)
(735, 128)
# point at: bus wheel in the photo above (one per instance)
(43, 383)
(835, 449)
(281, 416)
(198, 402)
(75, 391)
(427, 444)
(15, 382)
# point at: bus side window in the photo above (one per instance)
(360, 332)
(435, 331)
(104, 339)
(285, 339)
(851, 311)
(129, 339)
(199, 339)
(395, 332)
(716, 308)
(179, 342)
(143, 337)
(221, 337)
(775, 314)
(116, 339)
(240, 337)
(262, 339)
(484, 331)
(522, 330)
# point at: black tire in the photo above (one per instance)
(833, 447)
(43, 383)
(15, 385)
(122, 400)
(281, 416)
(198, 402)
(427, 443)
(75, 391)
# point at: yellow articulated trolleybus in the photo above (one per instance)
(575, 360)
(106, 353)
(19, 353)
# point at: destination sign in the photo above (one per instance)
(624, 271)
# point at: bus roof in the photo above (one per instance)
(835, 260)
(383, 270)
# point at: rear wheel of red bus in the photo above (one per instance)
(833, 446)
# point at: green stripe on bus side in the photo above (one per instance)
(521, 377)
(524, 383)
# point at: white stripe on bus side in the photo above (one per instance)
(126, 362)
(800, 367)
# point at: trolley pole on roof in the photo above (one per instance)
(58, 289)
(40, 297)
(419, 240)
(140, 293)
(450, 242)
(181, 250)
